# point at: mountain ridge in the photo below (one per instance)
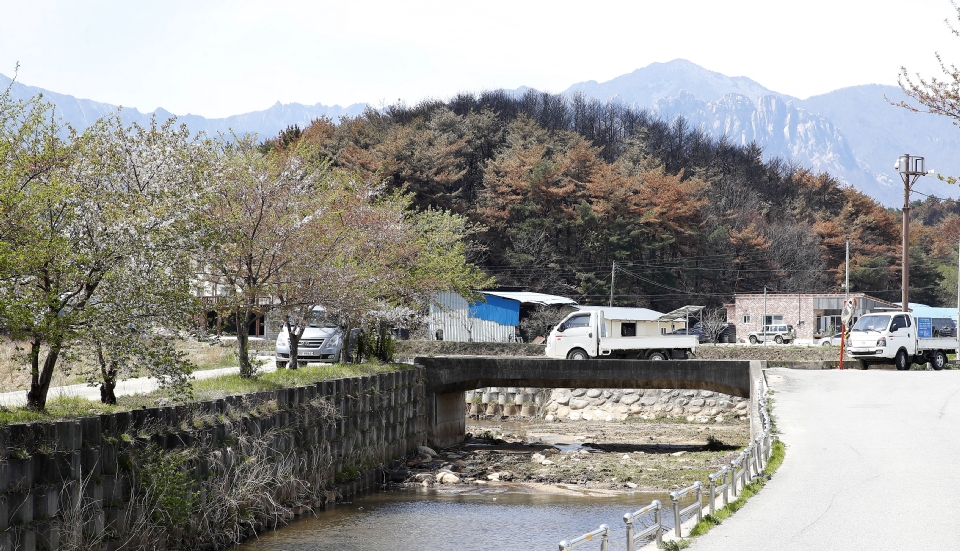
(854, 133)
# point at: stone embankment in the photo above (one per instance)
(203, 475)
(700, 406)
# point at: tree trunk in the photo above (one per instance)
(247, 369)
(294, 349)
(345, 347)
(107, 389)
(108, 379)
(40, 379)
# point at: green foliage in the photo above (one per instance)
(163, 480)
(376, 342)
(346, 474)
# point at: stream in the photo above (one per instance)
(502, 517)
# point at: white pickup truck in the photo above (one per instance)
(583, 335)
(899, 338)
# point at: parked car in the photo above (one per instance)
(831, 341)
(779, 334)
(321, 340)
(701, 336)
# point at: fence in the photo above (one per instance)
(656, 530)
(696, 506)
(742, 471)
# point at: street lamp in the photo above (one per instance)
(911, 169)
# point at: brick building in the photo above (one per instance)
(812, 315)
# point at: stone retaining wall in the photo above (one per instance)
(701, 406)
(85, 482)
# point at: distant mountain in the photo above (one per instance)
(781, 128)
(853, 133)
(644, 87)
(81, 113)
(879, 133)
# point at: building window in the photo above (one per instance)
(828, 324)
(746, 319)
(628, 329)
(774, 319)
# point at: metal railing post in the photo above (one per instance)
(699, 502)
(676, 512)
(658, 518)
(713, 490)
(656, 529)
(720, 475)
(698, 505)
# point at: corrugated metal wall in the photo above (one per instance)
(458, 326)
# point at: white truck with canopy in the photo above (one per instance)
(899, 338)
(591, 334)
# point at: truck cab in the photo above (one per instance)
(574, 335)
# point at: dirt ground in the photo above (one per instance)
(586, 455)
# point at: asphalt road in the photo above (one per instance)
(872, 463)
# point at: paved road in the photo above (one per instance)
(139, 385)
(873, 463)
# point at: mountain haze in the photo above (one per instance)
(81, 113)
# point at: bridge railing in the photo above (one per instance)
(715, 489)
(655, 530)
(697, 505)
(603, 532)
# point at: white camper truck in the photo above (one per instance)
(582, 335)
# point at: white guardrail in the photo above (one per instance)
(730, 479)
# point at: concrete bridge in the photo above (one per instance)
(448, 378)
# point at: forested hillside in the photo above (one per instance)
(565, 187)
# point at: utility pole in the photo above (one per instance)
(613, 278)
(911, 169)
(763, 323)
(846, 283)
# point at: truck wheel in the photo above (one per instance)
(939, 360)
(862, 364)
(753, 339)
(901, 361)
(778, 339)
(657, 356)
(577, 354)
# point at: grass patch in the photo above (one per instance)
(284, 378)
(207, 389)
(58, 409)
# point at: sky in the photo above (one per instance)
(218, 58)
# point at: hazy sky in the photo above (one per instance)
(218, 58)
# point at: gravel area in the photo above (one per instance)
(610, 456)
